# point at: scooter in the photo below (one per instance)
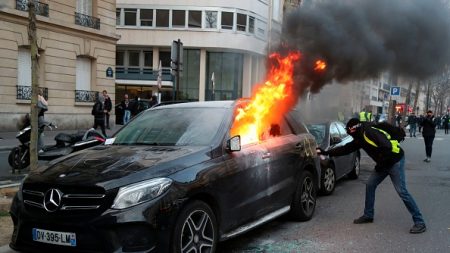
(19, 157)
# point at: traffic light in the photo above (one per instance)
(176, 56)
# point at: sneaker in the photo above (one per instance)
(427, 160)
(363, 219)
(41, 151)
(418, 228)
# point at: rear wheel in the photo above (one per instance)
(19, 158)
(354, 174)
(304, 202)
(195, 229)
(328, 180)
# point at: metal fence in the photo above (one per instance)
(85, 96)
(86, 20)
(24, 92)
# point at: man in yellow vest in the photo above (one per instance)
(365, 116)
(390, 161)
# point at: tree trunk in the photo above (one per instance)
(416, 98)
(34, 85)
(407, 102)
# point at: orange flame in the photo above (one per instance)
(320, 65)
(269, 102)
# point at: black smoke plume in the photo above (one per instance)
(359, 39)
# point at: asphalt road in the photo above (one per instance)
(332, 230)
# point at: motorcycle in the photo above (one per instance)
(19, 157)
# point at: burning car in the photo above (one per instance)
(175, 179)
(330, 135)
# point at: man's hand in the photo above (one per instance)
(320, 151)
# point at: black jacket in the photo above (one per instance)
(108, 104)
(98, 111)
(429, 127)
(382, 155)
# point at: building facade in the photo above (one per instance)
(76, 41)
(225, 46)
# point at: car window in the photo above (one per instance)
(341, 129)
(318, 131)
(277, 129)
(178, 127)
(334, 132)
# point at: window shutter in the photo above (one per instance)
(24, 67)
(83, 75)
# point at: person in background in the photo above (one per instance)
(126, 107)
(153, 101)
(390, 161)
(419, 122)
(108, 108)
(99, 111)
(412, 122)
(428, 133)
(445, 122)
(42, 105)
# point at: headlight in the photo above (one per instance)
(134, 194)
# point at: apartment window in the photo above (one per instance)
(228, 75)
(84, 7)
(146, 17)
(227, 20)
(251, 24)
(130, 17)
(241, 22)
(24, 67)
(210, 19)
(148, 59)
(195, 19)
(164, 57)
(133, 58)
(118, 16)
(178, 18)
(120, 58)
(83, 73)
(162, 18)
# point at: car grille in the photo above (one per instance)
(73, 199)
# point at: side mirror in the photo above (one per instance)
(234, 143)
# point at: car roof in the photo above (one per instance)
(203, 104)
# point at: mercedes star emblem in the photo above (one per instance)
(52, 200)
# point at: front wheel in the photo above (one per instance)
(195, 230)
(304, 202)
(19, 158)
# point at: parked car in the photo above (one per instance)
(171, 180)
(144, 104)
(330, 135)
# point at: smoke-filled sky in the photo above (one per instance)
(359, 39)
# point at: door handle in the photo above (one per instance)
(267, 155)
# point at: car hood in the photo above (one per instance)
(115, 166)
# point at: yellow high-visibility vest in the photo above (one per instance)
(394, 143)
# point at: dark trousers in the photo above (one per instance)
(107, 119)
(446, 128)
(428, 145)
(100, 123)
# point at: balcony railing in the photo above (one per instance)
(85, 95)
(127, 73)
(86, 20)
(24, 92)
(40, 8)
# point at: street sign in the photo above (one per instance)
(395, 91)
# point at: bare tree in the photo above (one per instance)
(211, 18)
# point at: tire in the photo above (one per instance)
(328, 180)
(354, 174)
(15, 159)
(305, 196)
(195, 229)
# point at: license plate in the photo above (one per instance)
(54, 237)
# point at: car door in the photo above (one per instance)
(242, 188)
(340, 162)
(346, 138)
(285, 160)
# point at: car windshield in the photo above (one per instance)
(318, 131)
(173, 127)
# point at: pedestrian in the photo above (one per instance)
(108, 108)
(446, 120)
(153, 101)
(419, 122)
(412, 123)
(98, 110)
(390, 161)
(398, 120)
(126, 107)
(42, 105)
(428, 133)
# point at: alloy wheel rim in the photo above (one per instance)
(307, 199)
(329, 179)
(197, 233)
